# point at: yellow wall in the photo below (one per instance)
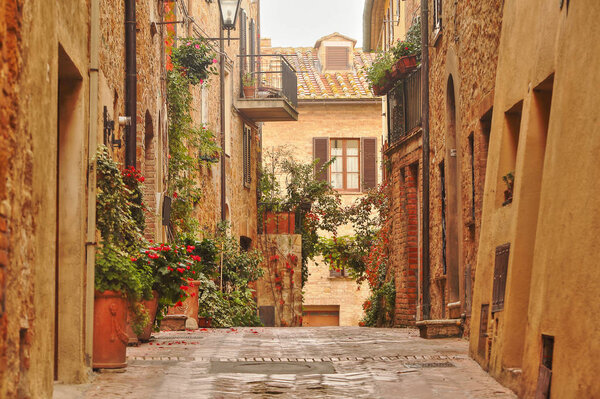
(552, 224)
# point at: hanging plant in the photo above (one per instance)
(194, 59)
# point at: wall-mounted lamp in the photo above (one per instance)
(229, 11)
(109, 131)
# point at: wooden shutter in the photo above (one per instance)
(243, 44)
(252, 51)
(336, 57)
(483, 326)
(247, 144)
(500, 271)
(369, 162)
(321, 153)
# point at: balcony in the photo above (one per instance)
(269, 89)
(404, 108)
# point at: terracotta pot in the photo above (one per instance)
(405, 64)
(279, 223)
(249, 91)
(110, 337)
(204, 322)
(189, 308)
(151, 306)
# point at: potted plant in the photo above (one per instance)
(379, 73)
(509, 180)
(249, 85)
(119, 282)
(405, 54)
(194, 59)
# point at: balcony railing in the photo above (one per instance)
(404, 107)
(272, 77)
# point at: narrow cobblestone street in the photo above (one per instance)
(329, 362)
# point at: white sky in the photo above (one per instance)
(299, 23)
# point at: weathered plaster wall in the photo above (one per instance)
(552, 280)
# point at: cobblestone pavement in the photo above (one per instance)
(245, 362)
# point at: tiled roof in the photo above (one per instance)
(312, 84)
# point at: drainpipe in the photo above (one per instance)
(425, 123)
(130, 82)
(222, 111)
(90, 248)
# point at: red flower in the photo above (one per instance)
(180, 269)
(179, 303)
(174, 194)
(133, 259)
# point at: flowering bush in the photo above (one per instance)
(194, 58)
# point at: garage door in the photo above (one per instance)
(321, 316)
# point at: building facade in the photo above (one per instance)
(74, 76)
(338, 117)
(460, 77)
(537, 278)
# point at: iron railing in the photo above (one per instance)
(269, 76)
(404, 107)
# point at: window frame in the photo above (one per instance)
(437, 17)
(344, 158)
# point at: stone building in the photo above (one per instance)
(435, 270)
(73, 76)
(537, 280)
(338, 116)
(234, 197)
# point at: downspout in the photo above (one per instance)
(222, 111)
(425, 123)
(130, 83)
(90, 249)
(367, 16)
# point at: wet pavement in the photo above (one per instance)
(326, 362)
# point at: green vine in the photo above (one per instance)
(190, 146)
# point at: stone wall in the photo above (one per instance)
(465, 51)
(281, 284)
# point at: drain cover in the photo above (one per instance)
(428, 365)
(271, 367)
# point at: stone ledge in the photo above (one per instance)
(444, 328)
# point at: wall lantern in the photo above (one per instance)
(229, 11)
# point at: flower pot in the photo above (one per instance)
(204, 322)
(110, 337)
(151, 306)
(249, 91)
(378, 90)
(189, 307)
(405, 64)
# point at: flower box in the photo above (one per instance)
(279, 222)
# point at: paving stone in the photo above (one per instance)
(368, 363)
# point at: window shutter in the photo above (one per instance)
(243, 44)
(500, 271)
(321, 152)
(336, 58)
(369, 162)
(252, 51)
(247, 157)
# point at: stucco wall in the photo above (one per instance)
(552, 280)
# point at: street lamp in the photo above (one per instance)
(229, 11)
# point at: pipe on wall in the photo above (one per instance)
(130, 82)
(426, 161)
(90, 251)
(222, 112)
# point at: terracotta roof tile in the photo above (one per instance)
(313, 84)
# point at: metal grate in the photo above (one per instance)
(404, 107)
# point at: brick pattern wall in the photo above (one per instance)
(404, 190)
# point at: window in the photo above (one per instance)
(437, 15)
(472, 154)
(354, 167)
(247, 143)
(345, 170)
(336, 58)
(500, 271)
(337, 271)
